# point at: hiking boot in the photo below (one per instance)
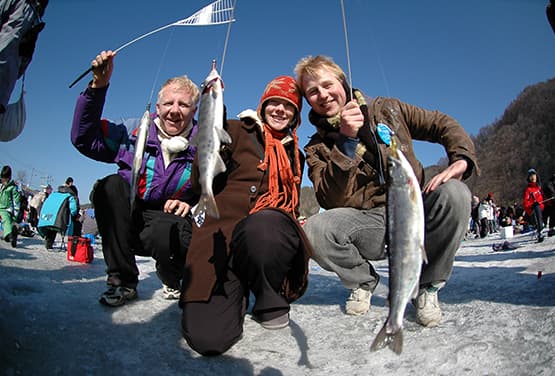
(358, 302)
(428, 313)
(170, 293)
(117, 295)
(277, 322)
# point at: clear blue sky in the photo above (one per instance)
(469, 59)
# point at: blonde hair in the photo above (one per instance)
(182, 82)
(310, 65)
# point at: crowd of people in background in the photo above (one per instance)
(47, 212)
(535, 213)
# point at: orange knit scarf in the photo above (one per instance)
(282, 182)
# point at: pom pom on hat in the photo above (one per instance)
(282, 87)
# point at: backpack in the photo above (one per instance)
(55, 214)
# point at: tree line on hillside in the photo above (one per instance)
(523, 138)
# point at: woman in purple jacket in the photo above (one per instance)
(160, 223)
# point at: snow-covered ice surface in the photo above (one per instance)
(499, 319)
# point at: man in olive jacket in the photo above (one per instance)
(347, 160)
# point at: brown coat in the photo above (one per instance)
(236, 192)
(340, 181)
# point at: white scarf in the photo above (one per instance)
(172, 145)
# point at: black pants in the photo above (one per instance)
(147, 232)
(263, 246)
(33, 217)
(50, 235)
(537, 217)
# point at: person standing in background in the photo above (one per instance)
(532, 202)
(549, 205)
(9, 205)
(36, 203)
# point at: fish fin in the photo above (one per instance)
(224, 136)
(380, 341)
(392, 340)
(219, 167)
(414, 293)
(424, 256)
(396, 343)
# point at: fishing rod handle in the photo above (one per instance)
(81, 76)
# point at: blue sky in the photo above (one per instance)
(468, 59)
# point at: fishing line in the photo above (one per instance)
(379, 59)
(347, 50)
(227, 39)
(162, 59)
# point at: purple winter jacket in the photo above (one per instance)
(108, 142)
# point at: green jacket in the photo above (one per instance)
(10, 198)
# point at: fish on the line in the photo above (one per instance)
(405, 220)
(140, 144)
(211, 134)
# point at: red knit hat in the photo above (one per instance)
(282, 87)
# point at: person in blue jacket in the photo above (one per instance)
(58, 215)
(160, 223)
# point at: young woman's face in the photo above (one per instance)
(279, 113)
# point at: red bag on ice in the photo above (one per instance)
(79, 249)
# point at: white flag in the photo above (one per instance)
(218, 12)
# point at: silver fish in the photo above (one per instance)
(140, 143)
(210, 136)
(405, 216)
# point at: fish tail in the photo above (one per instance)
(392, 340)
(207, 204)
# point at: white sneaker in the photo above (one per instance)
(358, 303)
(428, 313)
(170, 294)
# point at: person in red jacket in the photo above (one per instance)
(533, 202)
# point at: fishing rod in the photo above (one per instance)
(216, 13)
(547, 199)
(227, 39)
(350, 94)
